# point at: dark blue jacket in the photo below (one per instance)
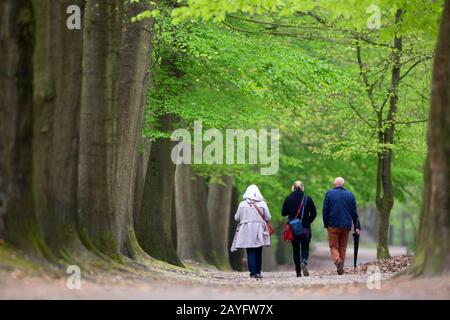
(339, 209)
(292, 203)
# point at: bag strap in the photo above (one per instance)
(300, 208)
(304, 206)
(260, 214)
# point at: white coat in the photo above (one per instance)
(252, 231)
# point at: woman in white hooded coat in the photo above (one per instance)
(252, 232)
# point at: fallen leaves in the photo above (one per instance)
(390, 265)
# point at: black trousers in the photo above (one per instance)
(303, 243)
(254, 260)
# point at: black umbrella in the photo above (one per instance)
(355, 248)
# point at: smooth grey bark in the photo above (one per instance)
(134, 64)
(202, 228)
(219, 205)
(185, 220)
(236, 257)
(153, 228)
(56, 109)
(142, 163)
(98, 222)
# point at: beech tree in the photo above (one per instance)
(17, 36)
(155, 219)
(219, 208)
(202, 229)
(433, 241)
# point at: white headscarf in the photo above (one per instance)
(252, 194)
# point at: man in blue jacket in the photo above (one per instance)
(339, 212)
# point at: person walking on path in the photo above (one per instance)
(299, 205)
(252, 232)
(339, 212)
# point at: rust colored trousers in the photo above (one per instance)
(337, 239)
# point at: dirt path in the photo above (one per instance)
(213, 284)
(276, 285)
(202, 282)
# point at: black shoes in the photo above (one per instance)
(340, 268)
(304, 269)
(299, 272)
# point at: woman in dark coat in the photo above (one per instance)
(291, 207)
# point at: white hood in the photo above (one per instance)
(252, 194)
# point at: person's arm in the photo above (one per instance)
(237, 216)
(355, 214)
(266, 211)
(325, 211)
(312, 210)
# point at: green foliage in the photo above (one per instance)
(216, 64)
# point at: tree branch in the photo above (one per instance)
(414, 65)
(412, 121)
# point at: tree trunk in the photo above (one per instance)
(219, 204)
(134, 66)
(236, 256)
(98, 127)
(143, 156)
(18, 220)
(433, 245)
(269, 262)
(56, 107)
(385, 190)
(202, 230)
(280, 253)
(173, 221)
(185, 220)
(154, 225)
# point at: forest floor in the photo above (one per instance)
(203, 282)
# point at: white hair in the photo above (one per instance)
(297, 185)
(339, 182)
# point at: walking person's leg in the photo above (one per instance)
(251, 261)
(296, 254)
(305, 255)
(333, 241)
(258, 261)
(343, 244)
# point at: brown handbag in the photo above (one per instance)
(269, 226)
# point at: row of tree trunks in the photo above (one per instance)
(69, 144)
(433, 247)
